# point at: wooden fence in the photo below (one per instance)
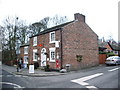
(102, 58)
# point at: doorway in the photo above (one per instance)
(43, 57)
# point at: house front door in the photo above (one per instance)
(43, 57)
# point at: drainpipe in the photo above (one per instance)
(61, 48)
(119, 49)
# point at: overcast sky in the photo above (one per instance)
(101, 15)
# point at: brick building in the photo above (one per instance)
(24, 52)
(72, 43)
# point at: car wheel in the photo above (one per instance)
(107, 64)
(116, 64)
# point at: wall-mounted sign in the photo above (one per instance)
(57, 44)
(40, 45)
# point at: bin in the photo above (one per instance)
(68, 67)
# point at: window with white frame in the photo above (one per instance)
(52, 54)
(26, 50)
(52, 37)
(35, 41)
(26, 59)
(35, 55)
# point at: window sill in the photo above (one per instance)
(25, 53)
(34, 60)
(35, 45)
(52, 42)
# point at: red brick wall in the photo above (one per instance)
(22, 53)
(31, 50)
(79, 39)
(44, 40)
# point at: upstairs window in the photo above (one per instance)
(35, 41)
(26, 50)
(52, 37)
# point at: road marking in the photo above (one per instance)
(6, 75)
(9, 75)
(24, 76)
(113, 69)
(86, 78)
(18, 86)
(82, 80)
(17, 75)
(92, 88)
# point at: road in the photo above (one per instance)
(95, 77)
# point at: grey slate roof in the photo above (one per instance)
(55, 28)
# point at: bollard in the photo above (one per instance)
(17, 69)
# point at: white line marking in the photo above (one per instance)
(82, 80)
(17, 75)
(92, 88)
(18, 86)
(113, 69)
(87, 78)
(81, 83)
(24, 76)
(9, 75)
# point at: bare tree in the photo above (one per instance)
(14, 32)
(37, 27)
(47, 22)
(57, 20)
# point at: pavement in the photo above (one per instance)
(25, 72)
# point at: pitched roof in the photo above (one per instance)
(102, 43)
(114, 47)
(55, 28)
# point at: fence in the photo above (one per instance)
(102, 58)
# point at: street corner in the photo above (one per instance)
(40, 74)
(17, 73)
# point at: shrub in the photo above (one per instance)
(36, 65)
(47, 68)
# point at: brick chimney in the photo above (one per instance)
(79, 17)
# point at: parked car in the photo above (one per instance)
(113, 60)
